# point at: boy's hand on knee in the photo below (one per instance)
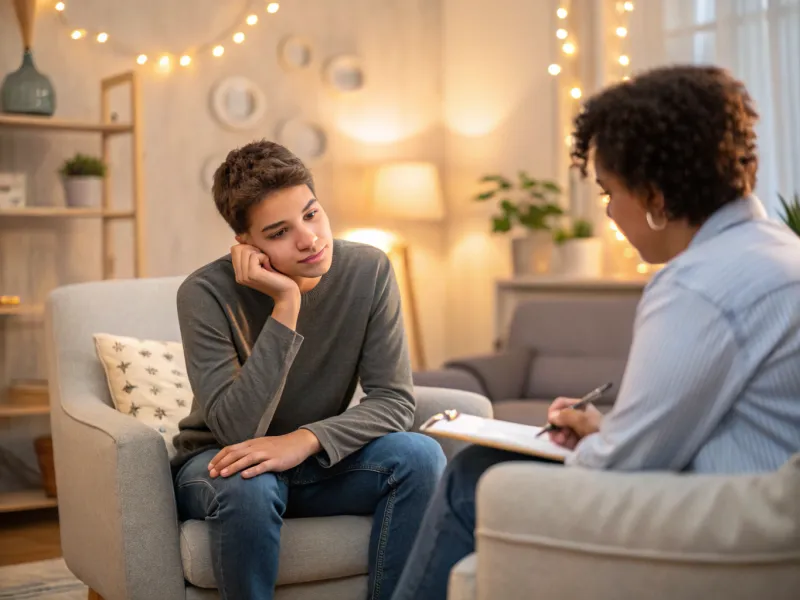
(265, 455)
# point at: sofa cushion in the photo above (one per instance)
(574, 376)
(147, 380)
(528, 412)
(312, 549)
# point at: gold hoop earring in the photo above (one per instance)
(651, 223)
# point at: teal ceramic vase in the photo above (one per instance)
(26, 91)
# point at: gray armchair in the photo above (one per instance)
(119, 528)
(556, 347)
(554, 532)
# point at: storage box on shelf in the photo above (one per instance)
(26, 398)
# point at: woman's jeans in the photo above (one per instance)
(447, 532)
(392, 478)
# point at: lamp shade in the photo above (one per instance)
(409, 190)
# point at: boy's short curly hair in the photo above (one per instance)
(687, 131)
(252, 172)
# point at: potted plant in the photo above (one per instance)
(529, 207)
(580, 253)
(83, 180)
(791, 213)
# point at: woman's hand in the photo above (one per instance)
(575, 424)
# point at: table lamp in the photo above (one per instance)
(408, 191)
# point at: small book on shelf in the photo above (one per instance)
(504, 435)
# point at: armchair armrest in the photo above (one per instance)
(629, 535)
(502, 376)
(431, 401)
(118, 520)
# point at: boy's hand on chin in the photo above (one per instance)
(253, 269)
(264, 455)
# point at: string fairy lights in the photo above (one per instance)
(570, 93)
(165, 60)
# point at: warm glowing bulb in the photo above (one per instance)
(628, 6)
(568, 141)
(620, 237)
(613, 226)
(238, 37)
(77, 34)
(575, 92)
(568, 48)
(185, 60)
(252, 19)
(141, 59)
(561, 34)
(554, 69)
(622, 32)
(626, 78)
(60, 6)
(102, 38)
(624, 60)
(562, 13)
(273, 7)
(218, 51)
(641, 268)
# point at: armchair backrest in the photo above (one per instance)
(143, 308)
(578, 342)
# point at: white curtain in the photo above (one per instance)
(759, 41)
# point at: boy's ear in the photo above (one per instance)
(239, 239)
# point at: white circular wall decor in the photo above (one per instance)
(344, 73)
(238, 103)
(295, 52)
(303, 138)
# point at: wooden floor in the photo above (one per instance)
(29, 536)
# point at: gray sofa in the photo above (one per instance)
(119, 528)
(556, 347)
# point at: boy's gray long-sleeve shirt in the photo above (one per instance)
(252, 376)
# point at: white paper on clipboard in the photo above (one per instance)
(504, 435)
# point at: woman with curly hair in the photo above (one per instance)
(712, 383)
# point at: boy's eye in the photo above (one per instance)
(277, 234)
(311, 215)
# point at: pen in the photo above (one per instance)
(580, 405)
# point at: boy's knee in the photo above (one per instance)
(256, 496)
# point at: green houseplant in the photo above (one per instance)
(579, 252)
(791, 212)
(82, 177)
(529, 205)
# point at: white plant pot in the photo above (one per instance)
(83, 192)
(582, 257)
(531, 254)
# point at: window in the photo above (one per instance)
(759, 41)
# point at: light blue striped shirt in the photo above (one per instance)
(712, 383)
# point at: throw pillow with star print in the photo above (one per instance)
(147, 380)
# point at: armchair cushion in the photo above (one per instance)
(147, 380)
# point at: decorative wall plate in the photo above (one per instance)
(344, 74)
(209, 168)
(303, 138)
(238, 103)
(295, 52)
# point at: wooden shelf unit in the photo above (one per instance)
(25, 500)
(107, 129)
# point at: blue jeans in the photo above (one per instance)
(448, 530)
(392, 479)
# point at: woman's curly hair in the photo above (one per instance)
(687, 131)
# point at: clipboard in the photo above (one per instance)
(493, 433)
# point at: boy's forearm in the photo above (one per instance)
(286, 310)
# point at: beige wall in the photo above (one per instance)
(499, 114)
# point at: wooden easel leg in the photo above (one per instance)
(94, 595)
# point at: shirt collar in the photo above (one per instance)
(748, 208)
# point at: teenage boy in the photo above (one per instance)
(277, 334)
